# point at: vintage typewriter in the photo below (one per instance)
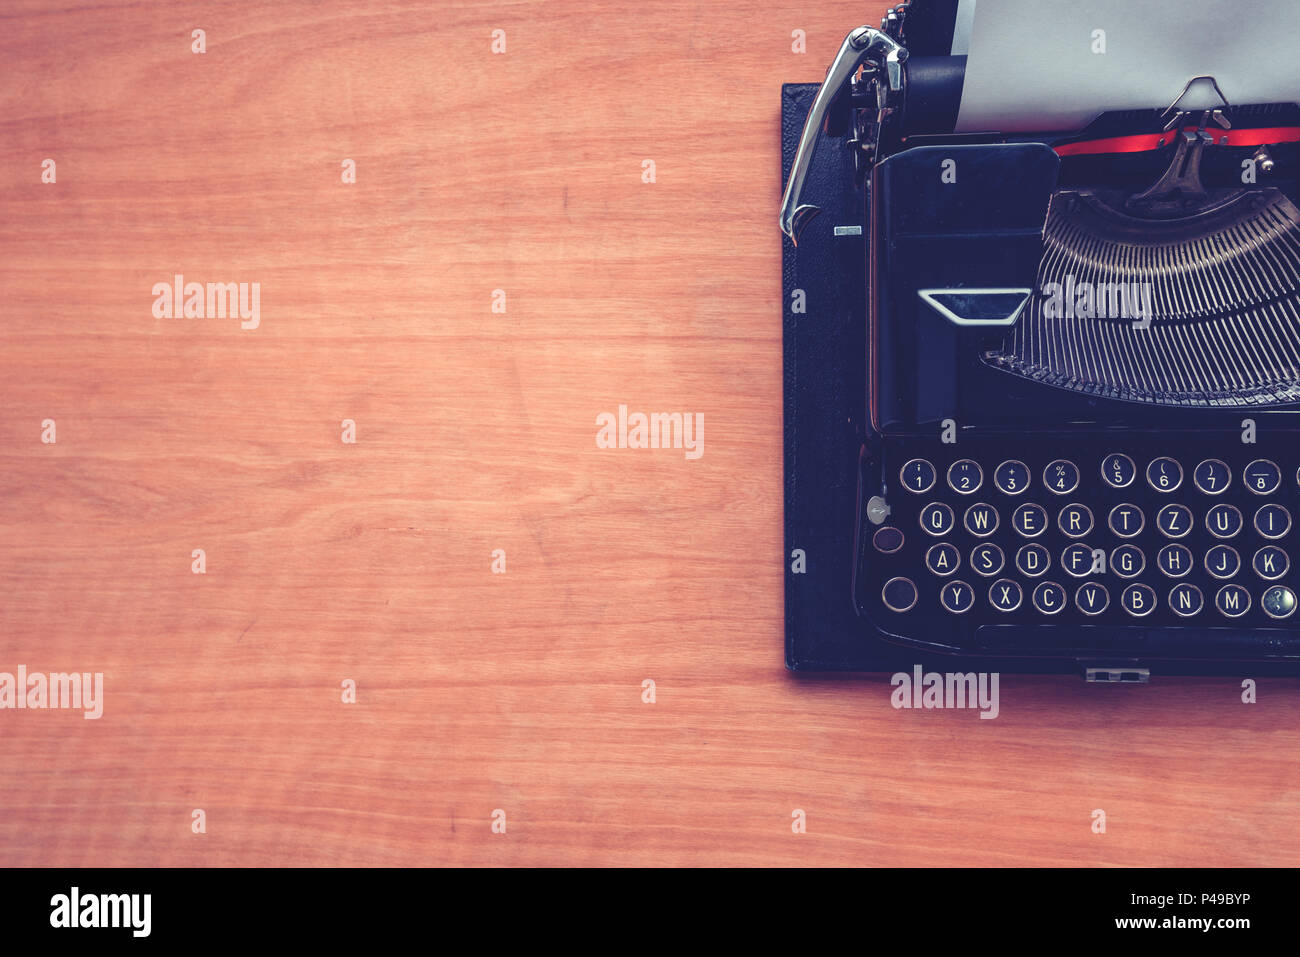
(1065, 239)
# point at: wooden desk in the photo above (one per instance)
(475, 431)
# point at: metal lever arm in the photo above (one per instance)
(863, 45)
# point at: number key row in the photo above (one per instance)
(1163, 473)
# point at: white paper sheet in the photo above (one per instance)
(1039, 65)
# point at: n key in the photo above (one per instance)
(1185, 600)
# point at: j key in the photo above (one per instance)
(957, 597)
(1091, 598)
(1049, 597)
(1075, 521)
(899, 594)
(987, 559)
(1222, 561)
(1232, 600)
(887, 539)
(1138, 600)
(1272, 521)
(937, 519)
(1174, 519)
(1118, 470)
(965, 477)
(1164, 474)
(1033, 560)
(1011, 477)
(1223, 520)
(1077, 560)
(1212, 476)
(1030, 520)
(981, 520)
(1061, 477)
(1174, 560)
(943, 559)
(1005, 595)
(1262, 477)
(1186, 599)
(1126, 521)
(1278, 602)
(1270, 563)
(917, 476)
(1127, 561)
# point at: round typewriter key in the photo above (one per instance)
(1262, 477)
(1186, 599)
(937, 519)
(1075, 521)
(1033, 560)
(1174, 560)
(1271, 563)
(987, 559)
(1061, 477)
(943, 559)
(1077, 560)
(1164, 474)
(1127, 561)
(965, 476)
(1212, 476)
(917, 476)
(1223, 520)
(1222, 561)
(1278, 602)
(1005, 595)
(1118, 470)
(1030, 520)
(899, 594)
(1126, 521)
(957, 597)
(1092, 598)
(1272, 521)
(1174, 520)
(1232, 600)
(1049, 597)
(981, 520)
(1138, 600)
(1011, 477)
(887, 539)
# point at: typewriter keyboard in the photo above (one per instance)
(1124, 538)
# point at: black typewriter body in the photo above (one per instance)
(1048, 485)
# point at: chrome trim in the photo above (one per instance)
(861, 46)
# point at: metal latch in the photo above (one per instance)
(1118, 675)
(865, 45)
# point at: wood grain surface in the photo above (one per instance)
(475, 431)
